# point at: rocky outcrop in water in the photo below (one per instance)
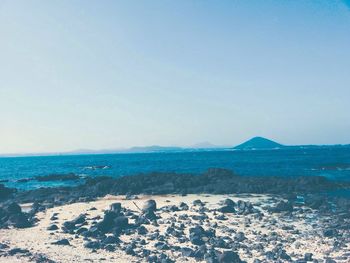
(5, 192)
(57, 177)
(215, 181)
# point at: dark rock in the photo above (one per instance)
(200, 217)
(150, 215)
(5, 192)
(79, 220)
(240, 237)
(200, 252)
(39, 258)
(92, 232)
(70, 226)
(229, 202)
(121, 222)
(161, 246)
(111, 221)
(196, 235)
(277, 253)
(308, 257)
(229, 257)
(63, 242)
(92, 245)
(212, 181)
(107, 223)
(53, 218)
(52, 227)
(20, 220)
(141, 230)
(220, 242)
(330, 232)
(198, 202)
(17, 250)
(129, 250)
(149, 206)
(3, 246)
(227, 209)
(110, 248)
(116, 208)
(170, 208)
(211, 257)
(187, 252)
(81, 230)
(111, 240)
(13, 208)
(183, 206)
(57, 177)
(244, 207)
(141, 220)
(221, 217)
(131, 197)
(282, 206)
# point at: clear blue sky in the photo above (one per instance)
(108, 74)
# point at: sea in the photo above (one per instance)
(332, 162)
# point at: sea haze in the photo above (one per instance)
(332, 162)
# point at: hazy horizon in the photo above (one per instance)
(118, 74)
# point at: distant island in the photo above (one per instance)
(259, 143)
(253, 144)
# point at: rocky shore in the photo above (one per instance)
(213, 181)
(217, 216)
(178, 228)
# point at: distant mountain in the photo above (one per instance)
(205, 145)
(154, 148)
(256, 143)
(259, 143)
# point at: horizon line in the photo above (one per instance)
(128, 150)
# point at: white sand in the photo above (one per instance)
(38, 240)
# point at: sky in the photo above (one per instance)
(110, 74)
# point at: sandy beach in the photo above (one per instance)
(255, 233)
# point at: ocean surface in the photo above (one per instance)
(333, 163)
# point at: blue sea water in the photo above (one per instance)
(333, 163)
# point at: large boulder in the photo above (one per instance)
(70, 226)
(148, 210)
(149, 206)
(245, 207)
(13, 215)
(228, 206)
(198, 236)
(20, 220)
(229, 257)
(113, 220)
(107, 223)
(116, 208)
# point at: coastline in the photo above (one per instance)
(298, 232)
(194, 218)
